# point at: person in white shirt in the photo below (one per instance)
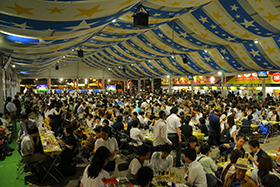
(195, 175)
(160, 132)
(109, 143)
(147, 118)
(12, 109)
(141, 117)
(136, 134)
(140, 161)
(90, 121)
(27, 148)
(80, 110)
(161, 161)
(94, 173)
(174, 133)
(97, 122)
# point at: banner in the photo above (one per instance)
(196, 80)
(252, 78)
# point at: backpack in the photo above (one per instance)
(225, 135)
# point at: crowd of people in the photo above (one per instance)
(171, 118)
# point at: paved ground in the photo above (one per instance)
(73, 181)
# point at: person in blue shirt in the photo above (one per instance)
(255, 116)
(126, 118)
(118, 125)
(138, 109)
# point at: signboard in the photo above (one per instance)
(196, 80)
(276, 77)
(262, 74)
(252, 78)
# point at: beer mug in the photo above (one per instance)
(223, 159)
(246, 155)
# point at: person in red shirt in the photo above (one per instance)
(5, 142)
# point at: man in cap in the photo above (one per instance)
(239, 178)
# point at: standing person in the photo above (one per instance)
(94, 173)
(214, 127)
(12, 109)
(111, 144)
(174, 133)
(16, 101)
(160, 132)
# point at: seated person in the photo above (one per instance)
(5, 142)
(264, 168)
(203, 127)
(69, 144)
(111, 143)
(275, 116)
(161, 161)
(90, 121)
(246, 122)
(52, 125)
(226, 149)
(141, 160)
(230, 167)
(136, 134)
(192, 143)
(145, 176)
(6, 126)
(94, 173)
(118, 125)
(105, 123)
(207, 163)
(256, 152)
(270, 181)
(97, 122)
(239, 178)
(67, 120)
(88, 147)
(195, 175)
(27, 151)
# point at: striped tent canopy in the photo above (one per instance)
(214, 35)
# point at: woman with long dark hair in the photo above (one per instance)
(264, 168)
(232, 128)
(230, 168)
(94, 173)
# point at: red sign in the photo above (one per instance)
(276, 77)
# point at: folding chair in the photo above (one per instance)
(264, 130)
(245, 131)
(52, 165)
